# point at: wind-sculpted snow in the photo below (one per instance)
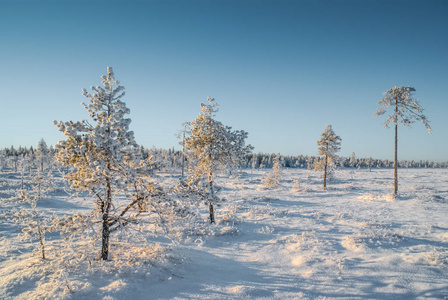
(354, 240)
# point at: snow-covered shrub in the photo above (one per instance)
(42, 154)
(296, 184)
(42, 183)
(273, 177)
(35, 225)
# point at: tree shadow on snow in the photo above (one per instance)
(206, 275)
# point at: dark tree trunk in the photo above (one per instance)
(105, 221)
(105, 238)
(212, 214)
(183, 154)
(41, 234)
(106, 206)
(212, 194)
(396, 151)
(396, 163)
(325, 168)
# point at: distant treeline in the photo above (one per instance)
(170, 158)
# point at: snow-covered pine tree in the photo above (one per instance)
(211, 146)
(329, 144)
(310, 163)
(407, 110)
(42, 154)
(35, 225)
(273, 178)
(182, 135)
(369, 163)
(41, 183)
(103, 156)
(352, 161)
(3, 159)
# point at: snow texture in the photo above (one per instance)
(354, 240)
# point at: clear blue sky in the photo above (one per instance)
(280, 70)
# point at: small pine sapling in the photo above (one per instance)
(41, 183)
(35, 225)
(352, 161)
(182, 135)
(296, 185)
(42, 152)
(273, 178)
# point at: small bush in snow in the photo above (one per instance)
(273, 178)
(35, 225)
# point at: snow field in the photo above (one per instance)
(353, 240)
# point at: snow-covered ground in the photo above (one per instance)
(352, 240)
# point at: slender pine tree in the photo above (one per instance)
(407, 110)
(329, 144)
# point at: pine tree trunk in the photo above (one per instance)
(212, 194)
(212, 213)
(183, 154)
(106, 229)
(40, 233)
(106, 206)
(105, 238)
(396, 163)
(396, 146)
(325, 170)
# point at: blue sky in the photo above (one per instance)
(280, 70)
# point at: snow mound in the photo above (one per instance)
(377, 197)
(352, 244)
(113, 286)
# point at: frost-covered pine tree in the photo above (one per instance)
(42, 154)
(329, 144)
(211, 146)
(352, 161)
(182, 135)
(103, 156)
(369, 163)
(273, 178)
(3, 160)
(407, 110)
(35, 225)
(42, 183)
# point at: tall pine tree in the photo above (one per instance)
(103, 156)
(407, 110)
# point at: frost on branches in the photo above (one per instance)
(103, 154)
(35, 225)
(211, 147)
(42, 152)
(329, 144)
(407, 110)
(273, 178)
